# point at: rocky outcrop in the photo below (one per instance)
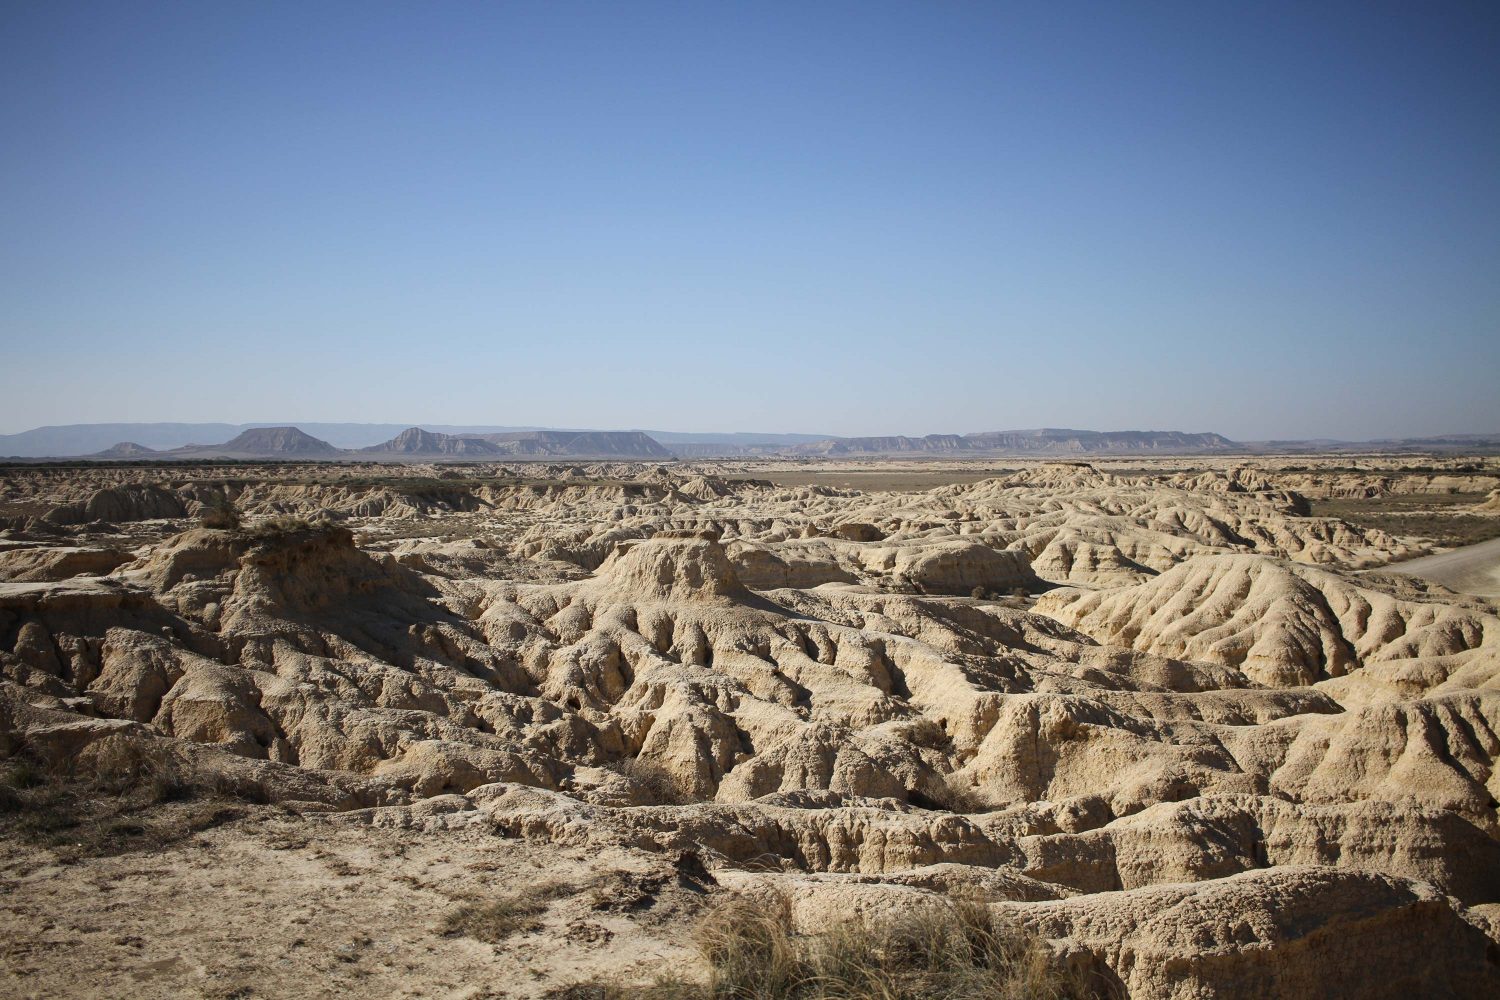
(120, 503)
(59, 562)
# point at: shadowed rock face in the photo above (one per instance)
(1226, 762)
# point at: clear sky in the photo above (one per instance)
(1268, 220)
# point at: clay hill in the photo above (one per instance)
(1170, 730)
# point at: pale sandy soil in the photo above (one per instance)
(278, 905)
(1473, 569)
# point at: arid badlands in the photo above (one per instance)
(1183, 726)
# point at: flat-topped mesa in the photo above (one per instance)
(416, 441)
(669, 566)
(276, 441)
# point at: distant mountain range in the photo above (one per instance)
(413, 443)
(393, 442)
(1050, 441)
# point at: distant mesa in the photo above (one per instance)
(1046, 441)
(276, 441)
(414, 441)
(1073, 441)
(126, 450)
(257, 442)
(445, 442)
(578, 444)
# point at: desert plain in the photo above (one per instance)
(1189, 727)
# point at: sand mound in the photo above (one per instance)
(670, 566)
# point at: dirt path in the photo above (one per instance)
(1473, 569)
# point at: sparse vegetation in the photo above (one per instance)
(660, 786)
(280, 527)
(956, 952)
(494, 920)
(118, 794)
(1432, 516)
(951, 793)
(881, 478)
(223, 515)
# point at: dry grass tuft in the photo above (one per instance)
(958, 951)
(283, 526)
(660, 786)
(222, 515)
(116, 795)
(494, 920)
(950, 793)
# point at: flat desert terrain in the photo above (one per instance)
(1163, 728)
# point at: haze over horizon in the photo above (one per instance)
(1278, 222)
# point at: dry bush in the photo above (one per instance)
(664, 988)
(118, 794)
(660, 786)
(949, 792)
(494, 920)
(283, 525)
(957, 951)
(121, 766)
(222, 514)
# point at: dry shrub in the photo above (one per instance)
(117, 794)
(953, 951)
(221, 514)
(494, 920)
(661, 786)
(283, 525)
(949, 792)
(121, 765)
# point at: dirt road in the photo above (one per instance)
(1473, 569)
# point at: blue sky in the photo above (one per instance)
(1269, 220)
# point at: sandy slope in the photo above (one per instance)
(1473, 569)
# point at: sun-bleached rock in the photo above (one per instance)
(833, 693)
(1283, 623)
